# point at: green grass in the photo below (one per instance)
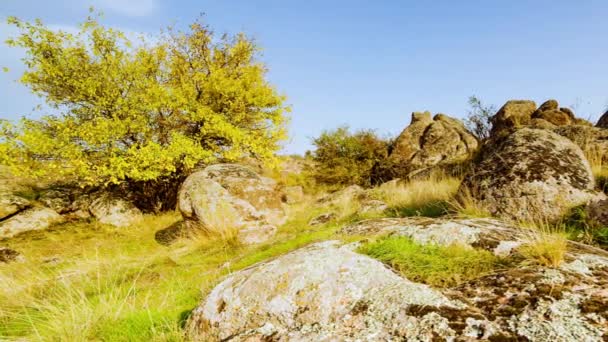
(109, 284)
(438, 266)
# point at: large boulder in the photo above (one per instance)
(112, 210)
(11, 204)
(603, 121)
(323, 292)
(328, 292)
(226, 197)
(35, 218)
(531, 173)
(428, 142)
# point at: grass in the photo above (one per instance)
(466, 206)
(86, 281)
(546, 243)
(424, 197)
(437, 266)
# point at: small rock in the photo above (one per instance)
(322, 219)
(35, 218)
(11, 204)
(114, 211)
(10, 255)
(372, 206)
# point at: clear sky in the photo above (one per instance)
(369, 64)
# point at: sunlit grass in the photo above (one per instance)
(440, 266)
(86, 281)
(422, 197)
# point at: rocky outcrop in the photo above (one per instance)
(523, 113)
(493, 235)
(603, 121)
(512, 114)
(328, 292)
(323, 292)
(11, 204)
(112, 210)
(530, 173)
(228, 196)
(34, 218)
(425, 144)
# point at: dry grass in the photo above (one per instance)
(465, 205)
(420, 195)
(545, 244)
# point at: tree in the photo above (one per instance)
(478, 119)
(345, 158)
(141, 114)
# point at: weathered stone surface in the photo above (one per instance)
(597, 212)
(228, 196)
(425, 144)
(56, 199)
(10, 255)
(523, 113)
(514, 113)
(109, 209)
(592, 140)
(603, 121)
(11, 204)
(327, 292)
(35, 218)
(321, 219)
(372, 206)
(293, 194)
(490, 234)
(323, 292)
(530, 173)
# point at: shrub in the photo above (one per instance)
(140, 114)
(345, 158)
(441, 266)
(478, 119)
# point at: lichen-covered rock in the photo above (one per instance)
(372, 206)
(35, 218)
(293, 194)
(321, 219)
(532, 304)
(592, 140)
(490, 234)
(228, 196)
(603, 121)
(597, 212)
(112, 210)
(531, 173)
(169, 235)
(11, 204)
(323, 292)
(9, 255)
(425, 144)
(56, 199)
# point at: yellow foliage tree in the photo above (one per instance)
(139, 112)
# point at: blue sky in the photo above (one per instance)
(369, 64)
